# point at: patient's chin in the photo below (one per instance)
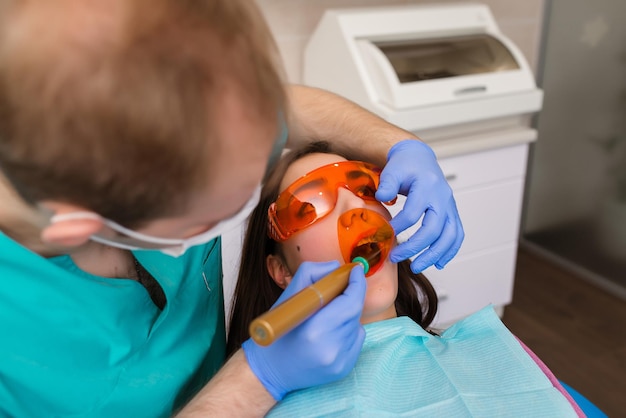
(380, 297)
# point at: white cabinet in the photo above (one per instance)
(488, 187)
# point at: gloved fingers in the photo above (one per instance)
(433, 254)
(341, 354)
(431, 229)
(414, 207)
(343, 313)
(342, 337)
(453, 223)
(352, 353)
(350, 303)
(307, 274)
(389, 185)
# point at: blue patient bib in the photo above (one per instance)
(476, 368)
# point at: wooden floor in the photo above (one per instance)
(577, 329)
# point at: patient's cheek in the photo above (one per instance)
(317, 243)
(382, 290)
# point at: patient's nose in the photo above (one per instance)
(346, 200)
(354, 217)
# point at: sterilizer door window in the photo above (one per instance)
(419, 60)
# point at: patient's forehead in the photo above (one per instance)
(306, 164)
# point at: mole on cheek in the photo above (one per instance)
(298, 248)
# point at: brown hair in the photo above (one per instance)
(118, 115)
(256, 291)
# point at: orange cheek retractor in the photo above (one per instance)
(366, 234)
(365, 238)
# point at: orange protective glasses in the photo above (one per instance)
(314, 195)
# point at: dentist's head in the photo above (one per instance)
(121, 122)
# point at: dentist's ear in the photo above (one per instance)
(67, 231)
(278, 270)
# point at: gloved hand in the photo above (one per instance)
(322, 349)
(412, 170)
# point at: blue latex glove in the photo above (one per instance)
(322, 349)
(412, 170)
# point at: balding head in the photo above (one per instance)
(110, 104)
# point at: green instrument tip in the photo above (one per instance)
(363, 262)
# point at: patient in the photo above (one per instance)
(475, 368)
(267, 265)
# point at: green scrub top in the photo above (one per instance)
(77, 345)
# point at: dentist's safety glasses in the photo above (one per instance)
(133, 240)
(314, 196)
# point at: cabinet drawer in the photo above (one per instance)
(490, 215)
(468, 284)
(485, 167)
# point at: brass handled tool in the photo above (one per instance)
(271, 325)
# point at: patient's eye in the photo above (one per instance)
(361, 184)
(366, 190)
(306, 211)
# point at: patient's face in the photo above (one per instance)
(319, 241)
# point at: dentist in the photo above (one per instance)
(132, 134)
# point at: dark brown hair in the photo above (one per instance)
(256, 291)
(116, 111)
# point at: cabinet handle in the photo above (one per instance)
(450, 177)
(470, 90)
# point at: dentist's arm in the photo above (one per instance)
(410, 168)
(318, 115)
(233, 392)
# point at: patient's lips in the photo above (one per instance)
(365, 233)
